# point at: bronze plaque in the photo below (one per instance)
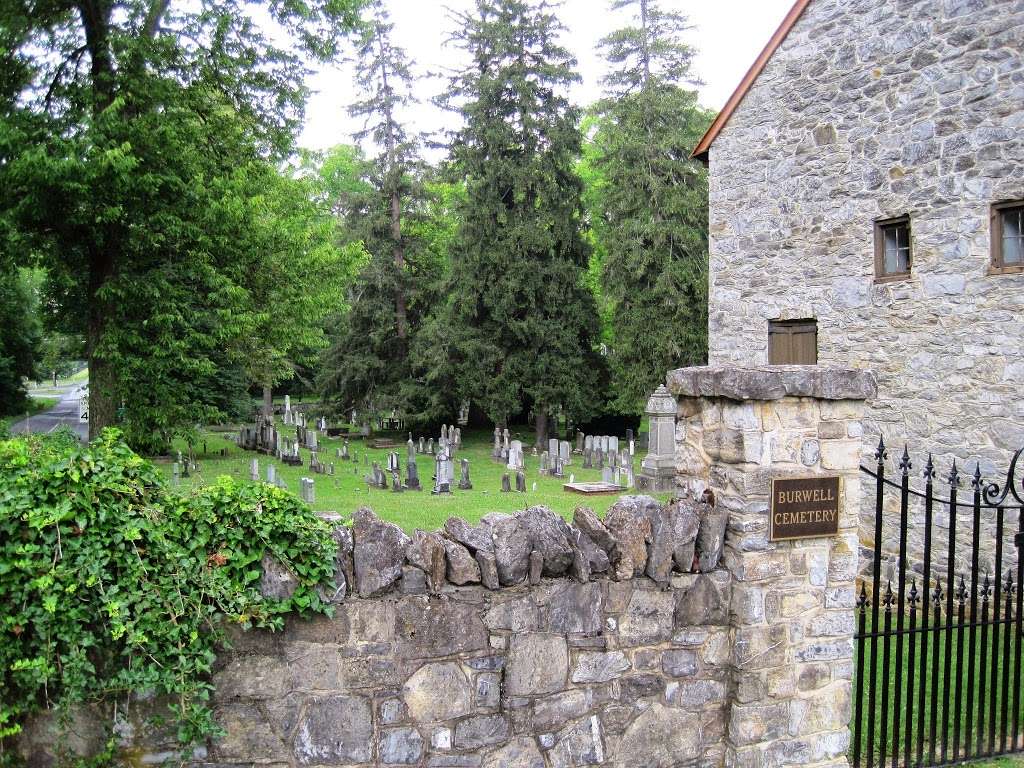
(804, 508)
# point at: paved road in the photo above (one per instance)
(64, 413)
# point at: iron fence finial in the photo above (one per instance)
(905, 465)
(929, 470)
(954, 476)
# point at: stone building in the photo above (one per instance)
(866, 210)
(866, 207)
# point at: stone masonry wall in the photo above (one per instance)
(522, 640)
(792, 609)
(872, 109)
(562, 674)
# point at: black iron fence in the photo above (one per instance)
(938, 642)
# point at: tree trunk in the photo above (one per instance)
(540, 415)
(645, 52)
(268, 401)
(102, 376)
(399, 254)
(102, 401)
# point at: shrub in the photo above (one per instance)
(111, 583)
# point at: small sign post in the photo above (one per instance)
(804, 508)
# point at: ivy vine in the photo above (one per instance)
(112, 583)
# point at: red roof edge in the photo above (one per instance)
(701, 150)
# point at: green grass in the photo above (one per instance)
(81, 377)
(347, 490)
(35, 405)
(947, 716)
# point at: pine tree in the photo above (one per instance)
(651, 215)
(521, 325)
(386, 80)
(368, 362)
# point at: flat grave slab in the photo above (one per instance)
(593, 489)
(381, 442)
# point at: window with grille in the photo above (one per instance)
(892, 248)
(1008, 237)
(793, 342)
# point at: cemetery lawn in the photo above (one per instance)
(347, 490)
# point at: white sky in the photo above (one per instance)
(727, 34)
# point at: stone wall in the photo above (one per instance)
(561, 674)
(872, 109)
(662, 635)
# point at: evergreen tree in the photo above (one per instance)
(386, 81)
(390, 209)
(520, 329)
(650, 210)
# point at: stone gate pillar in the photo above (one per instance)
(792, 615)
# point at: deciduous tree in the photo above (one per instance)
(119, 122)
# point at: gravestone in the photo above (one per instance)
(565, 452)
(553, 447)
(464, 482)
(580, 437)
(271, 474)
(607, 475)
(515, 456)
(520, 482)
(442, 473)
(430, 446)
(496, 451)
(458, 437)
(613, 444)
(559, 467)
(307, 491)
(396, 481)
(588, 457)
(376, 478)
(176, 474)
(412, 476)
(422, 446)
(543, 463)
(254, 470)
(658, 470)
(506, 484)
(410, 449)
